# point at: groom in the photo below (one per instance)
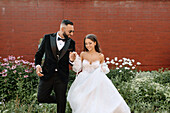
(55, 70)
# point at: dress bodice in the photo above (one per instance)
(86, 66)
(90, 67)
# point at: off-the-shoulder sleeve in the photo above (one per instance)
(77, 65)
(105, 68)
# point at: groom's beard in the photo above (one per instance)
(65, 35)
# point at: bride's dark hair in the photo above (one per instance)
(93, 38)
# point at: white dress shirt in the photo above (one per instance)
(60, 43)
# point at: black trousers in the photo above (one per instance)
(45, 88)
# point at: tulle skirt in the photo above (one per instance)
(95, 93)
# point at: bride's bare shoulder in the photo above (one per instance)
(82, 54)
(101, 56)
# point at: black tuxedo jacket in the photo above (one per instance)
(52, 60)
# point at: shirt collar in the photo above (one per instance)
(57, 36)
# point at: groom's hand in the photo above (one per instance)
(39, 70)
(72, 56)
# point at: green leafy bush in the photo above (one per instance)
(147, 91)
(18, 79)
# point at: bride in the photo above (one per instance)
(92, 91)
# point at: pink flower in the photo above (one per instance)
(11, 57)
(18, 64)
(4, 71)
(16, 61)
(14, 71)
(25, 62)
(30, 71)
(25, 76)
(33, 65)
(26, 70)
(4, 75)
(13, 67)
(4, 64)
(5, 59)
(20, 73)
(8, 67)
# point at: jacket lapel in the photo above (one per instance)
(53, 45)
(65, 48)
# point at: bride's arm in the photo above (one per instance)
(104, 66)
(77, 64)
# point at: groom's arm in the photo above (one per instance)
(72, 50)
(39, 54)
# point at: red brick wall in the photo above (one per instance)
(137, 29)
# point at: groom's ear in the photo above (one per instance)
(62, 29)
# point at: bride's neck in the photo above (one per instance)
(92, 52)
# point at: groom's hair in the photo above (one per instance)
(66, 22)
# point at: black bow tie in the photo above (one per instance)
(61, 39)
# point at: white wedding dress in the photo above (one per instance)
(92, 91)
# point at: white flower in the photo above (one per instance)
(133, 60)
(18, 57)
(120, 71)
(107, 58)
(116, 58)
(124, 58)
(138, 63)
(120, 60)
(116, 64)
(117, 68)
(128, 59)
(130, 64)
(133, 67)
(120, 66)
(108, 62)
(127, 68)
(112, 61)
(124, 63)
